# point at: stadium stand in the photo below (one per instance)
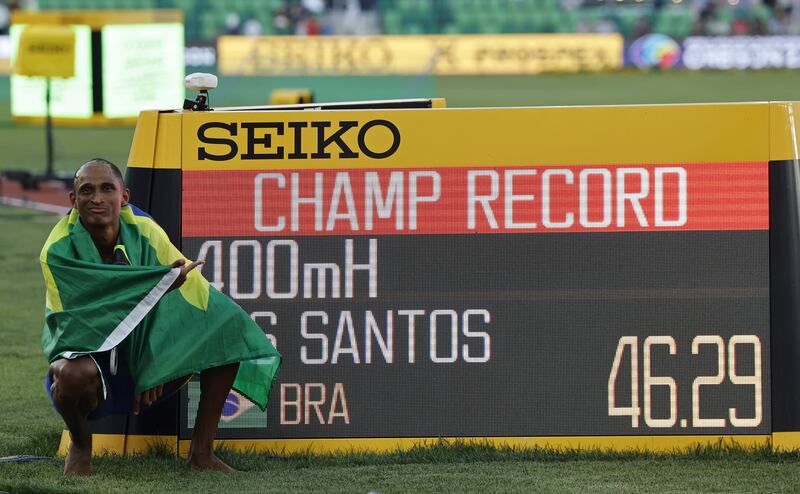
(207, 19)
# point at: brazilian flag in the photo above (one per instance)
(94, 307)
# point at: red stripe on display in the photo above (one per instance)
(601, 198)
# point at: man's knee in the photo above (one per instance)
(75, 379)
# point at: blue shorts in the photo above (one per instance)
(118, 388)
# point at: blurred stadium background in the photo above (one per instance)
(670, 51)
(207, 19)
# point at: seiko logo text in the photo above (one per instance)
(289, 140)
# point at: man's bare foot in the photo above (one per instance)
(78, 461)
(209, 462)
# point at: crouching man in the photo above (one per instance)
(128, 320)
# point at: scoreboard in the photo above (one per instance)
(587, 277)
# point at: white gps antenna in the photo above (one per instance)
(200, 82)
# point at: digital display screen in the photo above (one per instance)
(142, 68)
(476, 300)
(69, 98)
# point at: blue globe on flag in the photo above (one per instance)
(235, 405)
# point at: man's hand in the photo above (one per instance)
(185, 268)
(147, 397)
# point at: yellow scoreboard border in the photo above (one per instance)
(120, 444)
(447, 137)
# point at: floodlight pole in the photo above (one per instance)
(48, 129)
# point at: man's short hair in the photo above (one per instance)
(102, 161)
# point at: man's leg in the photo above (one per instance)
(76, 391)
(215, 384)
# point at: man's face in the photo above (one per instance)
(98, 195)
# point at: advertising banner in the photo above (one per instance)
(742, 52)
(408, 55)
(715, 52)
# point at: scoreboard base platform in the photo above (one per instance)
(121, 444)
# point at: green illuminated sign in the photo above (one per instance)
(140, 67)
(70, 98)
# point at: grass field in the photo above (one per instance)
(29, 426)
(446, 469)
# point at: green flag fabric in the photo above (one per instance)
(94, 307)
